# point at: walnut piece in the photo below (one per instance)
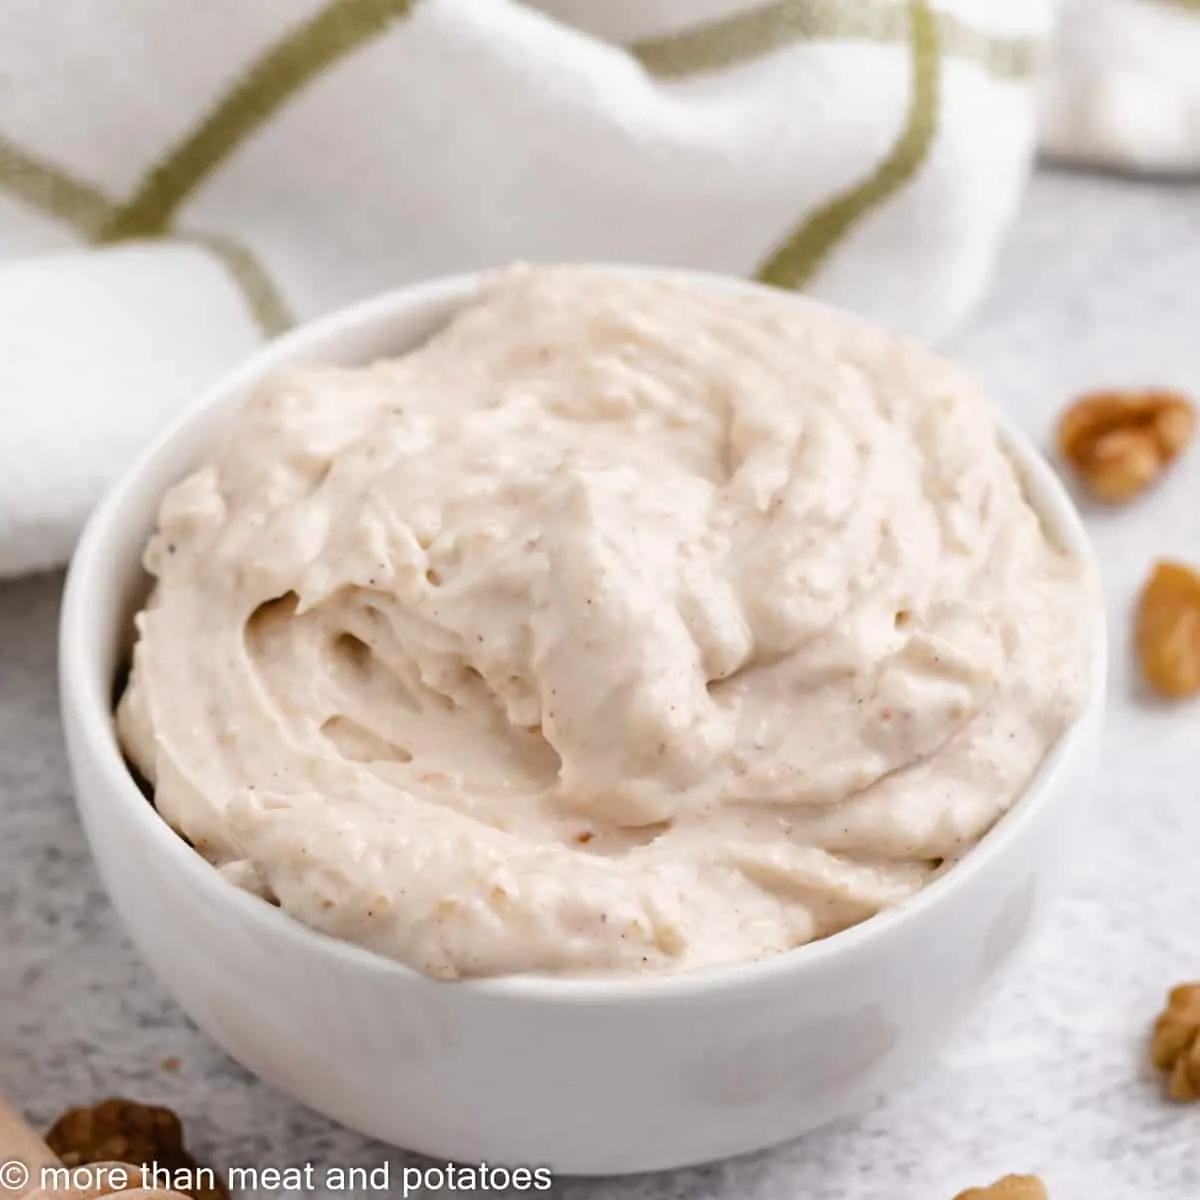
(1168, 629)
(1120, 442)
(125, 1131)
(1011, 1187)
(1175, 1046)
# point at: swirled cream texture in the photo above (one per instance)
(627, 625)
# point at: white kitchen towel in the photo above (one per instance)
(271, 160)
(1124, 90)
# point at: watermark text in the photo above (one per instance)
(102, 1178)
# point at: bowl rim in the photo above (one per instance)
(97, 742)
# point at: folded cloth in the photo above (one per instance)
(275, 159)
(98, 347)
(1124, 90)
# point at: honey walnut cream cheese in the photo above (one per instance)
(627, 625)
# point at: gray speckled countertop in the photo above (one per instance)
(1100, 284)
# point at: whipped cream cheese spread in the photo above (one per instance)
(627, 625)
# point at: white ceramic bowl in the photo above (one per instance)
(586, 1077)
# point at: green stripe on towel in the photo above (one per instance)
(278, 76)
(53, 191)
(797, 260)
(85, 210)
(265, 301)
(745, 36)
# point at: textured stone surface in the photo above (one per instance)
(1101, 285)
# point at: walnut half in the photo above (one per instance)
(1011, 1187)
(1120, 442)
(1168, 629)
(124, 1131)
(1175, 1046)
